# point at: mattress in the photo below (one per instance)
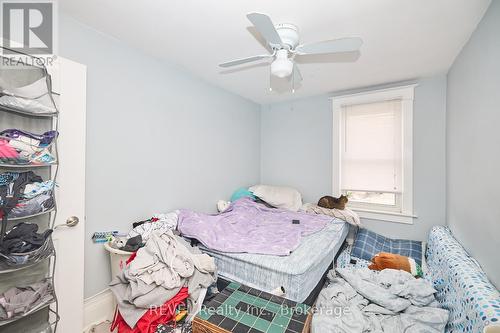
(297, 273)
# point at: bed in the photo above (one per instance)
(298, 273)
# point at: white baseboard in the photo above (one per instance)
(97, 309)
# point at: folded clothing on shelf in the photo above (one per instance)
(7, 152)
(24, 194)
(8, 177)
(23, 238)
(41, 140)
(39, 204)
(19, 300)
(22, 147)
(33, 189)
(12, 185)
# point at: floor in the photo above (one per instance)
(101, 328)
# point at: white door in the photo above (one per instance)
(69, 81)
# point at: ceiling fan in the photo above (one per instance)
(283, 40)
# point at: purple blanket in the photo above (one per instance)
(247, 226)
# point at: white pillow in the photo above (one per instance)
(281, 197)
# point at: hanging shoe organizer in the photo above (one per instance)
(28, 206)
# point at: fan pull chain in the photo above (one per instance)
(270, 80)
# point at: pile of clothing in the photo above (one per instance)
(363, 300)
(161, 222)
(160, 276)
(23, 238)
(24, 193)
(22, 147)
(17, 301)
(142, 230)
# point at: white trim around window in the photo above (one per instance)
(406, 95)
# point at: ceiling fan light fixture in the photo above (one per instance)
(282, 66)
(283, 42)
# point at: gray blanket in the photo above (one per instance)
(158, 272)
(361, 300)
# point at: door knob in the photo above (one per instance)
(70, 222)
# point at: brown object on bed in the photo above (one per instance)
(331, 202)
(385, 260)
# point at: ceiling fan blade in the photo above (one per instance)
(331, 46)
(244, 60)
(266, 28)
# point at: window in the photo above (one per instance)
(373, 152)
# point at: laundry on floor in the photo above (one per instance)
(141, 232)
(362, 300)
(166, 272)
(159, 222)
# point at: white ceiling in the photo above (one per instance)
(403, 39)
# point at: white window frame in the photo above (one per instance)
(406, 94)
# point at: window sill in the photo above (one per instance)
(404, 218)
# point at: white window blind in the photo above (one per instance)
(371, 150)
